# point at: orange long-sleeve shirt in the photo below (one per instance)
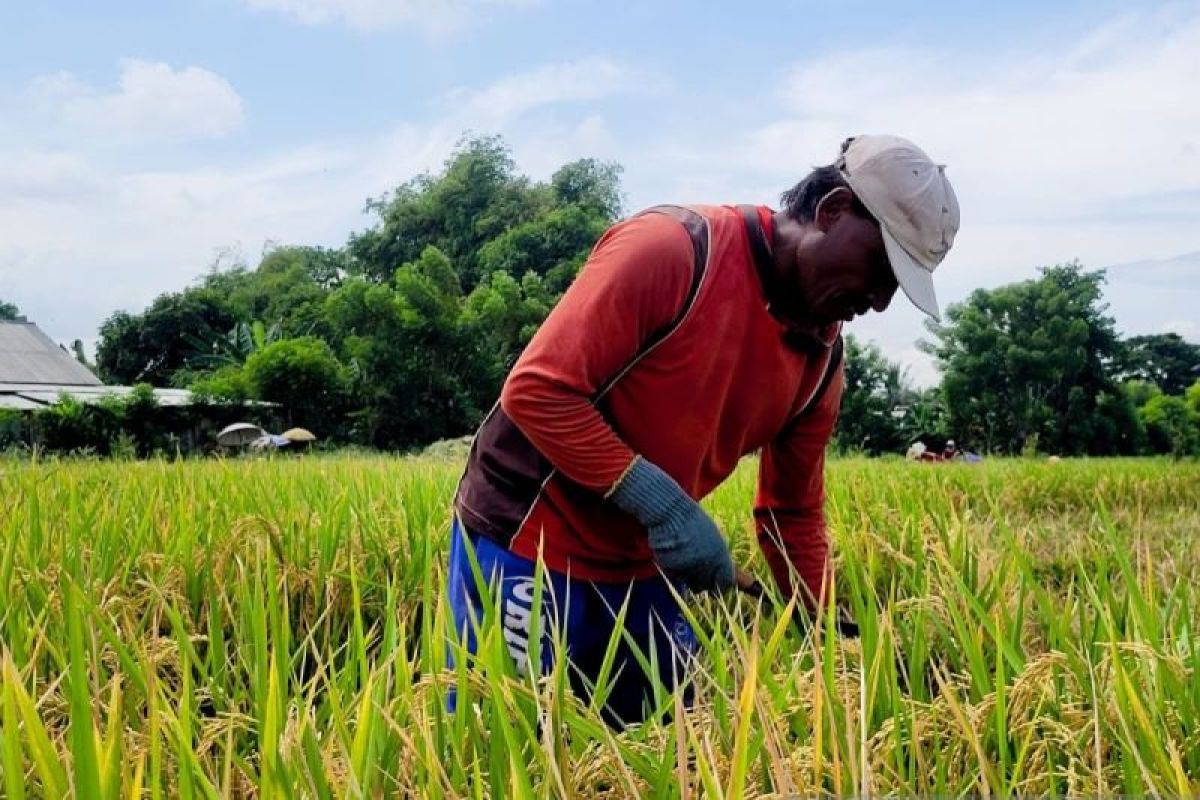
(615, 370)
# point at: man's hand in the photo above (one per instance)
(843, 621)
(686, 542)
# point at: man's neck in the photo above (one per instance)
(802, 329)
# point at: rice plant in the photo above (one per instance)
(277, 628)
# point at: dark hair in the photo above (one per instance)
(800, 201)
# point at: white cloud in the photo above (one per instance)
(542, 151)
(35, 174)
(139, 233)
(153, 101)
(1085, 149)
(1065, 147)
(1164, 273)
(1026, 135)
(1157, 296)
(120, 235)
(432, 16)
(580, 81)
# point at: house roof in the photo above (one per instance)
(28, 356)
(35, 372)
(32, 396)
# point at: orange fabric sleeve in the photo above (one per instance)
(634, 282)
(789, 511)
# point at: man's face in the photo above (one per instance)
(843, 272)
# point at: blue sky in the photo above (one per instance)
(140, 142)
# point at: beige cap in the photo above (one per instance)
(914, 203)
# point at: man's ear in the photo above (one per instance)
(830, 207)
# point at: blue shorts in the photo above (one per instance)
(584, 612)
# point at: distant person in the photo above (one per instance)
(950, 451)
(692, 337)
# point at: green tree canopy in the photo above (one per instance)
(1171, 425)
(301, 375)
(221, 320)
(8, 311)
(416, 374)
(590, 184)
(1028, 359)
(1140, 392)
(1118, 430)
(1165, 359)
(872, 394)
(288, 288)
(553, 245)
(1193, 396)
(503, 313)
(149, 347)
(881, 411)
(479, 197)
(227, 383)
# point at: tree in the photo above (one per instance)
(302, 375)
(424, 312)
(151, 346)
(418, 372)
(502, 314)
(1171, 425)
(881, 411)
(1118, 430)
(1030, 358)
(1140, 392)
(233, 348)
(476, 198)
(323, 267)
(9, 312)
(228, 383)
(1166, 360)
(228, 315)
(484, 217)
(873, 392)
(592, 185)
(288, 288)
(552, 245)
(924, 417)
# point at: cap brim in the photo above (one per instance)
(915, 280)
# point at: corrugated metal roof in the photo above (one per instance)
(49, 387)
(29, 356)
(14, 402)
(40, 395)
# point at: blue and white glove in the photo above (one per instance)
(686, 542)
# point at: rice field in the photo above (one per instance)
(276, 628)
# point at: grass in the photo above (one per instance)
(276, 628)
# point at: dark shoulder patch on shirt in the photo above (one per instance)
(835, 360)
(697, 230)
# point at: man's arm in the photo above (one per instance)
(789, 511)
(634, 282)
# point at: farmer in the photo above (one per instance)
(691, 338)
